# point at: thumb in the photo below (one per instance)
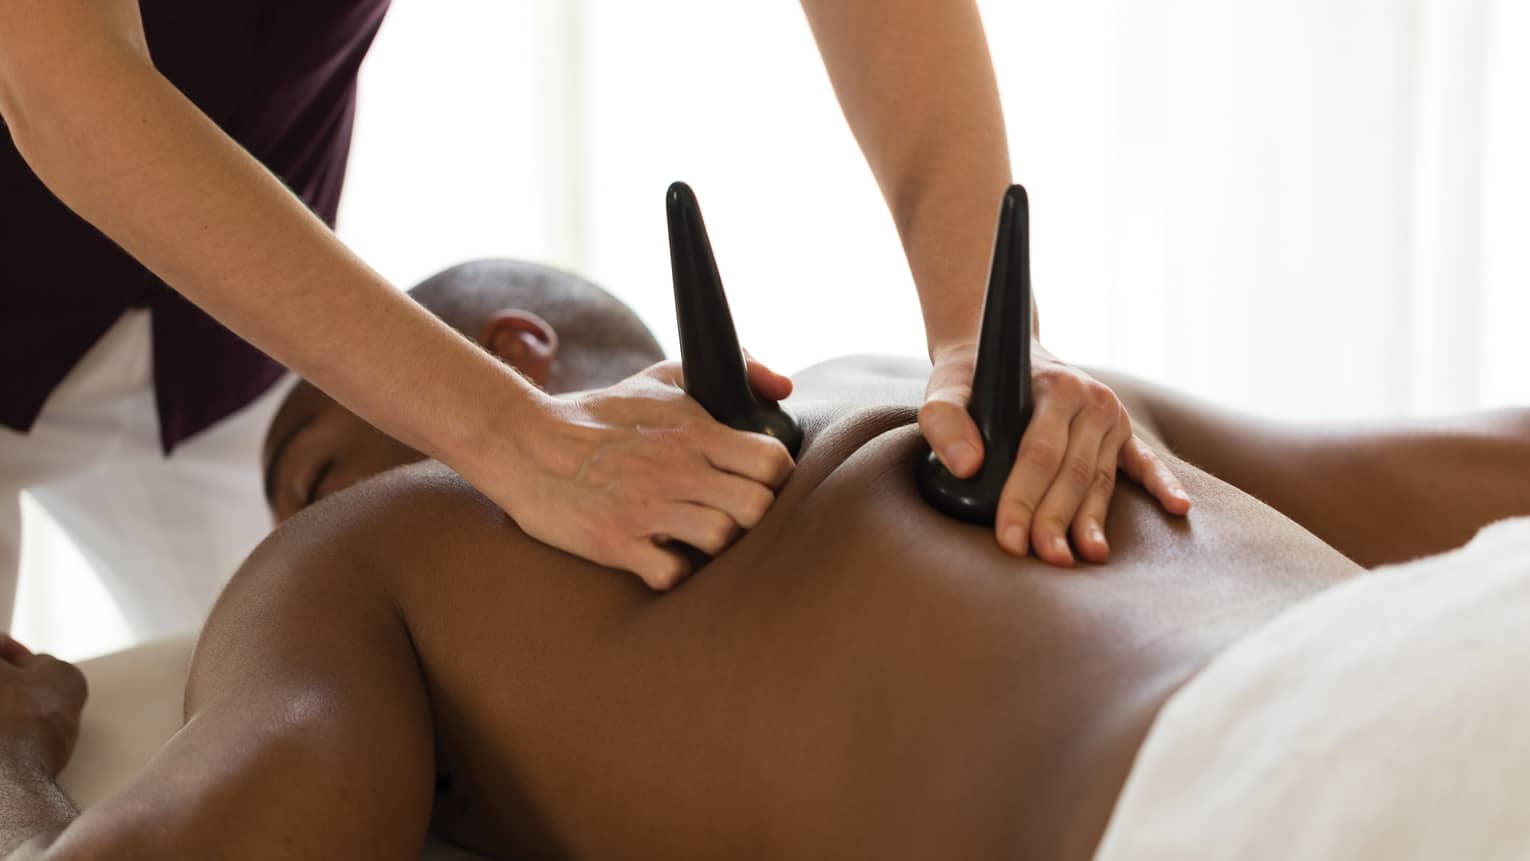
(765, 382)
(945, 422)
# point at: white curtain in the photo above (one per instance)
(1305, 208)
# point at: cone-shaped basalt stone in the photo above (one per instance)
(715, 373)
(1001, 384)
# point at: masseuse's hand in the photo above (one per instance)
(1065, 473)
(41, 699)
(617, 475)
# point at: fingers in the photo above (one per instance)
(705, 529)
(754, 456)
(765, 382)
(1062, 501)
(743, 500)
(660, 568)
(952, 435)
(1036, 465)
(1089, 525)
(944, 420)
(1142, 465)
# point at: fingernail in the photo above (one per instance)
(1060, 545)
(1096, 534)
(1014, 539)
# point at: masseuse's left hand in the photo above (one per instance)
(1065, 473)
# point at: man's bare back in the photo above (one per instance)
(857, 677)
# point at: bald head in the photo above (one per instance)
(600, 340)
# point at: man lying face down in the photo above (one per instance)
(858, 677)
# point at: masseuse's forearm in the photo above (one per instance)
(118, 144)
(918, 88)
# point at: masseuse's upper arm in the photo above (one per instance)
(48, 43)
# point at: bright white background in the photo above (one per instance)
(1305, 208)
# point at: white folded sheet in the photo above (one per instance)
(1388, 718)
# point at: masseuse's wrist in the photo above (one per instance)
(953, 349)
(500, 424)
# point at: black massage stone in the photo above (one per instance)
(715, 373)
(1001, 383)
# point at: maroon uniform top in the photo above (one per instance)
(279, 76)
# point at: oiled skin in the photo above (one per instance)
(859, 677)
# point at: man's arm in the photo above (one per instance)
(118, 144)
(917, 85)
(1380, 493)
(308, 730)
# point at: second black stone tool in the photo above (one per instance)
(1001, 385)
(715, 372)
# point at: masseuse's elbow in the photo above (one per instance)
(18, 63)
(47, 86)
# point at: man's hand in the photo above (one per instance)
(617, 475)
(1065, 472)
(41, 699)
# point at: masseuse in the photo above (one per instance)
(166, 219)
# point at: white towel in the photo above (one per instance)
(1388, 718)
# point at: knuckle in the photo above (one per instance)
(668, 370)
(776, 463)
(718, 532)
(673, 574)
(1101, 399)
(755, 509)
(1079, 471)
(1062, 385)
(1105, 480)
(662, 577)
(1041, 453)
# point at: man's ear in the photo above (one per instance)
(523, 340)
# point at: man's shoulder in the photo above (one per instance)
(387, 518)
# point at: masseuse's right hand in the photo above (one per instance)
(618, 474)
